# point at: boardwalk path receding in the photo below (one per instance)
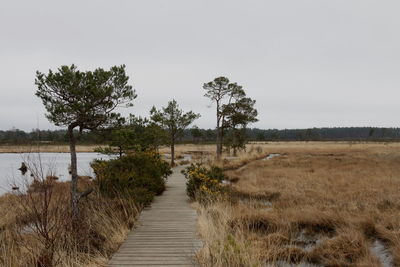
(165, 235)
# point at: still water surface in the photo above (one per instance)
(51, 164)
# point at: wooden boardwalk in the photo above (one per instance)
(166, 231)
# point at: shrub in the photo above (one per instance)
(204, 182)
(139, 176)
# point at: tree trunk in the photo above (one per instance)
(172, 152)
(219, 130)
(74, 177)
(219, 142)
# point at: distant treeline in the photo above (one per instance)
(311, 134)
(19, 137)
(196, 135)
(326, 134)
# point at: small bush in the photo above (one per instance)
(204, 182)
(139, 176)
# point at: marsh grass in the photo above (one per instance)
(35, 229)
(329, 203)
(29, 236)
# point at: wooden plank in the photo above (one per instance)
(166, 232)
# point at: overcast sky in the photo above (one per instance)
(318, 63)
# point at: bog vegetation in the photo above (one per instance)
(321, 204)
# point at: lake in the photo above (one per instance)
(51, 164)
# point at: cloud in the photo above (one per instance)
(307, 63)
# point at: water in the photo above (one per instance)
(271, 156)
(51, 164)
(382, 253)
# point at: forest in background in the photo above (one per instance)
(196, 135)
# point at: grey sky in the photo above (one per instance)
(307, 63)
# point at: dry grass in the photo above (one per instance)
(23, 241)
(320, 203)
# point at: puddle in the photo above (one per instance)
(306, 240)
(380, 250)
(187, 157)
(28, 229)
(271, 156)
